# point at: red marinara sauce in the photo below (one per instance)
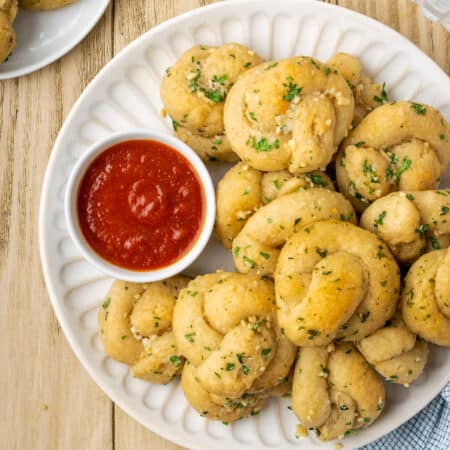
(140, 205)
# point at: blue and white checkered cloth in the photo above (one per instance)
(428, 430)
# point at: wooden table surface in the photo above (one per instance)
(48, 400)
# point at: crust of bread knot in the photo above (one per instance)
(334, 280)
(398, 146)
(135, 322)
(288, 114)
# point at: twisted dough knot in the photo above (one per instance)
(410, 222)
(8, 12)
(225, 325)
(291, 114)
(243, 190)
(334, 279)
(398, 146)
(257, 247)
(395, 352)
(335, 391)
(368, 95)
(135, 324)
(425, 298)
(193, 92)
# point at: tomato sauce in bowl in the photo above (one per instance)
(141, 205)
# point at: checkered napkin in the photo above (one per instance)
(428, 430)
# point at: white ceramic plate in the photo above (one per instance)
(126, 94)
(45, 36)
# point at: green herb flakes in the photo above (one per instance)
(418, 109)
(175, 360)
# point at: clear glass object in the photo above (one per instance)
(436, 10)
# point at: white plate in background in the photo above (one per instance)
(45, 36)
(125, 94)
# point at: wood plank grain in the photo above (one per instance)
(49, 402)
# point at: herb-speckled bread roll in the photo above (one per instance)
(335, 391)
(43, 5)
(368, 95)
(135, 324)
(394, 352)
(257, 247)
(410, 222)
(225, 325)
(208, 406)
(334, 280)
(425, 299)
(194, 90)
(8, 13)
(243, 190)
(289, 114)
(398, 146)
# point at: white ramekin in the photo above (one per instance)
(72, 216)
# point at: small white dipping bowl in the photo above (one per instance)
(76, 233)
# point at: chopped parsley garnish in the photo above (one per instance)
(423, 230)
(265, 351)
(175, 125)
(444, 210)
(221, 80)
(359, 144)
(313, 333)
(316, 179)
(175, 360)
(190, 336)
(249, 262)
(379, 220)
(106, 303)
(276, 183)
(216, 95)
(230, 366)
(350, 432)
(271, 66)
(263, 144)
(368, 168)
(245, 370)
(292, 90)
(383, 98)
(193, 85)
(236, 251)
(419, 109)
(252, 116)
(264, 255)
(257, 325)
(410, 196)
(434, 243)
(322, 253)
(404, 166)
(247, 64)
